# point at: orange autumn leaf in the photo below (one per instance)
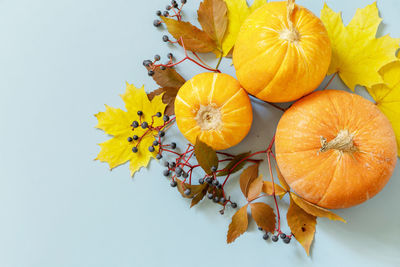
(193, 38)
(168, 98)
(194, 189)
(167, 78)
(247, 177)
(255, 188)
(313, 209)
(206, 156)
(267, 189)
(301, 224)
(213, 18)
(238, 225)
(264, 216)
(282, 179)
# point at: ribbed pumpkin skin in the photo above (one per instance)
(225, 94)
(334, 179)
(277, 70)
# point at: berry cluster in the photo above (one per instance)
(285, 238)
(174, 7)
(149, 129)
(151, 65)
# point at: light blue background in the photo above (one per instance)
(60, 61)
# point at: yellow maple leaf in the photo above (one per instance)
(238, 11)
(118, 123)
(357, 55)
(387, 96)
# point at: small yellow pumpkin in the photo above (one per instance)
(282, 52)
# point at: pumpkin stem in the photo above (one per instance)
(290, 9)
(209, 117)
(291, 34)
(342, 142)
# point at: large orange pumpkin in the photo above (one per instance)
(281, 55)
(215, 108)
(335, 149)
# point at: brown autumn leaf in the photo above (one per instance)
(194, 189)
(232, 163)
(267, 189)
(247, 177)
(193, 38)
(167, 78)
(199, 197)
(264, 216)
(213, 18)
(313, 209)
(205, 155)
(238, 225)
(255, 188)
(282, 180)
(301, 224)
(169, 94)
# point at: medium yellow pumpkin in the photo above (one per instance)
(215, 108)
(335, 149)
(282, 52)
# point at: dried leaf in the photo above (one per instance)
(255, 188)
(193, 38)
(199, 196)
(264, 216)
(205, 155)
(169, 94)
(238, 225)
(267, 189)
(168, 78)
(282, 179)
(247, 177)
(213, 18)
(194, 189)
(357, 55)
(233, 162)
(301, 224)
(313, 209)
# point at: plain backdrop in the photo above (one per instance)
(60, 62)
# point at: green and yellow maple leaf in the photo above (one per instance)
(357, 55)
(117, 122)
(238, 11)
(387, 96)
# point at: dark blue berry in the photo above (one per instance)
(173, 164)
(144, 125)
(187, 192)
(157, 57)
(166, 172)
(214, 168)
(158, 13)
(210, 196)
(158, 114)
(234, 205)
(161, 133)
(215, 182)
(222, 200)
(209, 180)
(282, 236)
(166, 118)
(165, 38)
(274, 238)
(216, 199)
(155, 143)
(185, 175)
(147, 63)
(170, 55)
(260, 228)
(159, 156)
(174, 183)
(134, 149)
(166, 164)
(183, 1)
(135, 137)
(173, 145)
(266, 236)
(201, 181)
(286, 240)
(150, 72)
(221, 212)
(130, 139)
(178, 170)
(140, 113)
(151, 148)
(157, 23)
(179, 174)
(168, 7)
(165, 13)
(135, 124)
